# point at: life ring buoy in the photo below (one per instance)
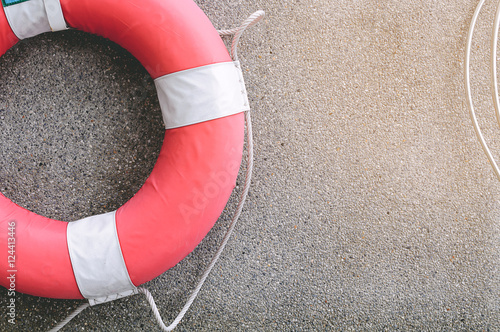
(202, 97)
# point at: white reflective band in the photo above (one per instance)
(97, 260)
(201, 94)
(33, 17)
(55, 15)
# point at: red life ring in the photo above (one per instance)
(190, 183)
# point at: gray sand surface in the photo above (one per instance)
(372, 207)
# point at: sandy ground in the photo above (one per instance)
(372, 205)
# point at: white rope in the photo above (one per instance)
(468, 91)
(70, 317)
(237, 32)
